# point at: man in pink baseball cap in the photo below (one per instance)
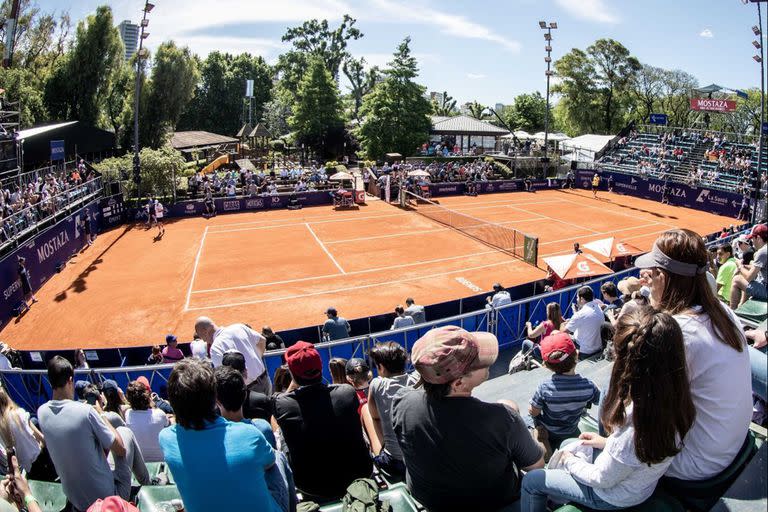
(460, 453)
(749, 281)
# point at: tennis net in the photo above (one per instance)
(508, 240)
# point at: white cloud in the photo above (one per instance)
(591, 10)
(475, 76)
(706, 33)
(450, 24)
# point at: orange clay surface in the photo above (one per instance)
(284, 268)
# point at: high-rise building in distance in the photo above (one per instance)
(129, 33)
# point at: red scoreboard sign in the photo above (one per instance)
(713, 105)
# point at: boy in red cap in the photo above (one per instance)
(559, 402)
(750, 281)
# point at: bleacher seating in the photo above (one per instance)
(652, 154)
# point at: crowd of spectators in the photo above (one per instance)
(43, 193)
(676, 411)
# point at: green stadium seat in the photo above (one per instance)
(397, 495)
(659, 502)
(50, 495)
(702, 495)
(588, 424)
(753, 311)
(151, 496)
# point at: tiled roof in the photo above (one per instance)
(465, 124)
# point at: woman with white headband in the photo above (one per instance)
(716, 354)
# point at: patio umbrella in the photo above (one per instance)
(341, 176)
(574, 266)
(419, 172)
(612, 248)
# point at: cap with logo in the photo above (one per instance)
(304, 361)
(760, 230)
(559, 342)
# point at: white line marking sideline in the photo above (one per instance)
(324, 248)
(194, 269)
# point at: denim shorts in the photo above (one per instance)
(757, 290)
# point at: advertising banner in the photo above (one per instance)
(43, 255)
(237, 204)
(679, 194)
(712, 105)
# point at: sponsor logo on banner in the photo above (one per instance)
(620, 247)
(447, 189)
(627, 186)
(489, 188)
(189, 209)
(632, 181)
(275, 200)
(50, 247)
(713, 105)
(15, 286)
(230, 206)
(252, 204)
(508, 186)
(707, 196)
(673, 191)
(583, 266)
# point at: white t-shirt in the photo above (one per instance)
(5, 363)
(586, 325)
(500, 298)
(199, 349)
(617, 475)
(146, 426)
(243, 339)
(27, 447)
(721, 388)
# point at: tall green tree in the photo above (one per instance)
(317, 113)
(361, 82)
(577, 112)
(39, 43)
(81, 83)
(677, 91)
(174, 76)
(527, 112)
(646, 90)
(445, 107)
(396, 113)
(615, 70)
(315, 38)
(222, 83)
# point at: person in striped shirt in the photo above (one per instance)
(559, 402)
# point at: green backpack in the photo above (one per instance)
(363, 496)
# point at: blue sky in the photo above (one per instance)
(484, 50)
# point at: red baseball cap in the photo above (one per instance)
(304, 361)
(559, 342)
(446, 353)
(112, 504)
(760, 230)
(143, 380)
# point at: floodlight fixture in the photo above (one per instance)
(756, 44)
(148, 7)
(756, 30)
(143, 53)
(144, 35)
(758, 59)
(547, 59)
(549, 73)
(553, 24)
(144, 22)
(543, 24)
(548, 36)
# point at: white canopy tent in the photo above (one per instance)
(584, 147)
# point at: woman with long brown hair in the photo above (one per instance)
(553, 322)
(647, 411)
(715, 350)
(17, 431)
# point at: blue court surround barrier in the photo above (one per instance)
(30, 388)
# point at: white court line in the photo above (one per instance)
(555, 220)
(355, 272)
(351, 288)
(325, 249)
(614, 212)
(194, 269)
(605, 233)
(313, 222)
(378, 237)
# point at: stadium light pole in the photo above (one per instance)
(549, 27)
(760, 59)
(141, 55)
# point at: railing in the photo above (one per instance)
(20, 225)
(30, 388)
(741, 138)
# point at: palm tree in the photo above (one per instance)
(446, 107)
(477, 110)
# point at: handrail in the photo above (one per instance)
(18, 221)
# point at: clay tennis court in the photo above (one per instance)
(284, 268)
